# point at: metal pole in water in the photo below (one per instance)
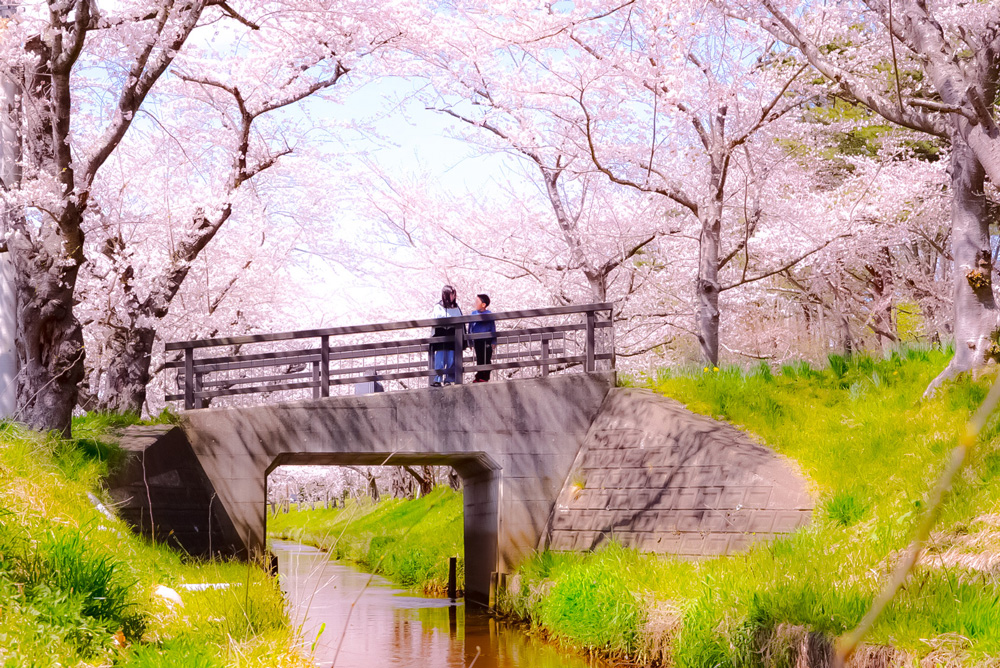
(453, 577)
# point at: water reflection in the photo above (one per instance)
(378, 625)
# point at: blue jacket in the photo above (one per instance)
(481, 327)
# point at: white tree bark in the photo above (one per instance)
(976, 321)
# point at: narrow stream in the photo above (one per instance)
(380, 626)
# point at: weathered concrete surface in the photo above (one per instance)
(164, 493)
(660, 478)
(8, 356)
(513, 444)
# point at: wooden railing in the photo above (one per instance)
(549, 340)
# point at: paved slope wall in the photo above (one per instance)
(655, 476)
(164, 493)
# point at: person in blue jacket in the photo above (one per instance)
(484, 347)
(444, 353)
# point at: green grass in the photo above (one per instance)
(77, 587)
(407, 541)
(858, 430)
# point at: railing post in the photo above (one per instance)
(324, 366)
(611, 338)
(430, 364)
(316, 388)
(188, 379)
(201, 402)
(545, 357)
(589, 366)
(459, 352)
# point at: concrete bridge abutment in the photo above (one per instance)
(513, 444)
(565, 462)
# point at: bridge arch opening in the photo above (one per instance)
(481, 491)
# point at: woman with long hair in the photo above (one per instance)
(444, 353)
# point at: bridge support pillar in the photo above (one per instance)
(482, 522)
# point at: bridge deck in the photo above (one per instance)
(368, 358)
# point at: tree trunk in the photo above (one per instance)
(598, 282)
(423, 478)
(8, 357)
(975, 307)
(707, 284)
(126, 374)
(46, 258)
(48, 337)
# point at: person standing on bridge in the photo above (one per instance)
(484, 347)
(444, 353)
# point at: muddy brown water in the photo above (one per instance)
(377, 625)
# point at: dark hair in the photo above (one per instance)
(484, 298)
(448, 295)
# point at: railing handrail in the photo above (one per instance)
(388, 326)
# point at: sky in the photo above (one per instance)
(409, 140)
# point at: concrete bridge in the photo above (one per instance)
(563, 459)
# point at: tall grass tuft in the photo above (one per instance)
(839, 365)
(845, 508)
(597, 604)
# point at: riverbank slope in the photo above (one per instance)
(872, 449)
(77, 587)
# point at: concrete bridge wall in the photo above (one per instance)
(8, 356)
(513, 443)
(565, 462)
(655, 476)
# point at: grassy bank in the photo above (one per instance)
(872, 449)
(78, 588)
(407, 541)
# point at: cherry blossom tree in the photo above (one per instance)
(668, 101)
(45, 207)
(84, 79)
(931, 66)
